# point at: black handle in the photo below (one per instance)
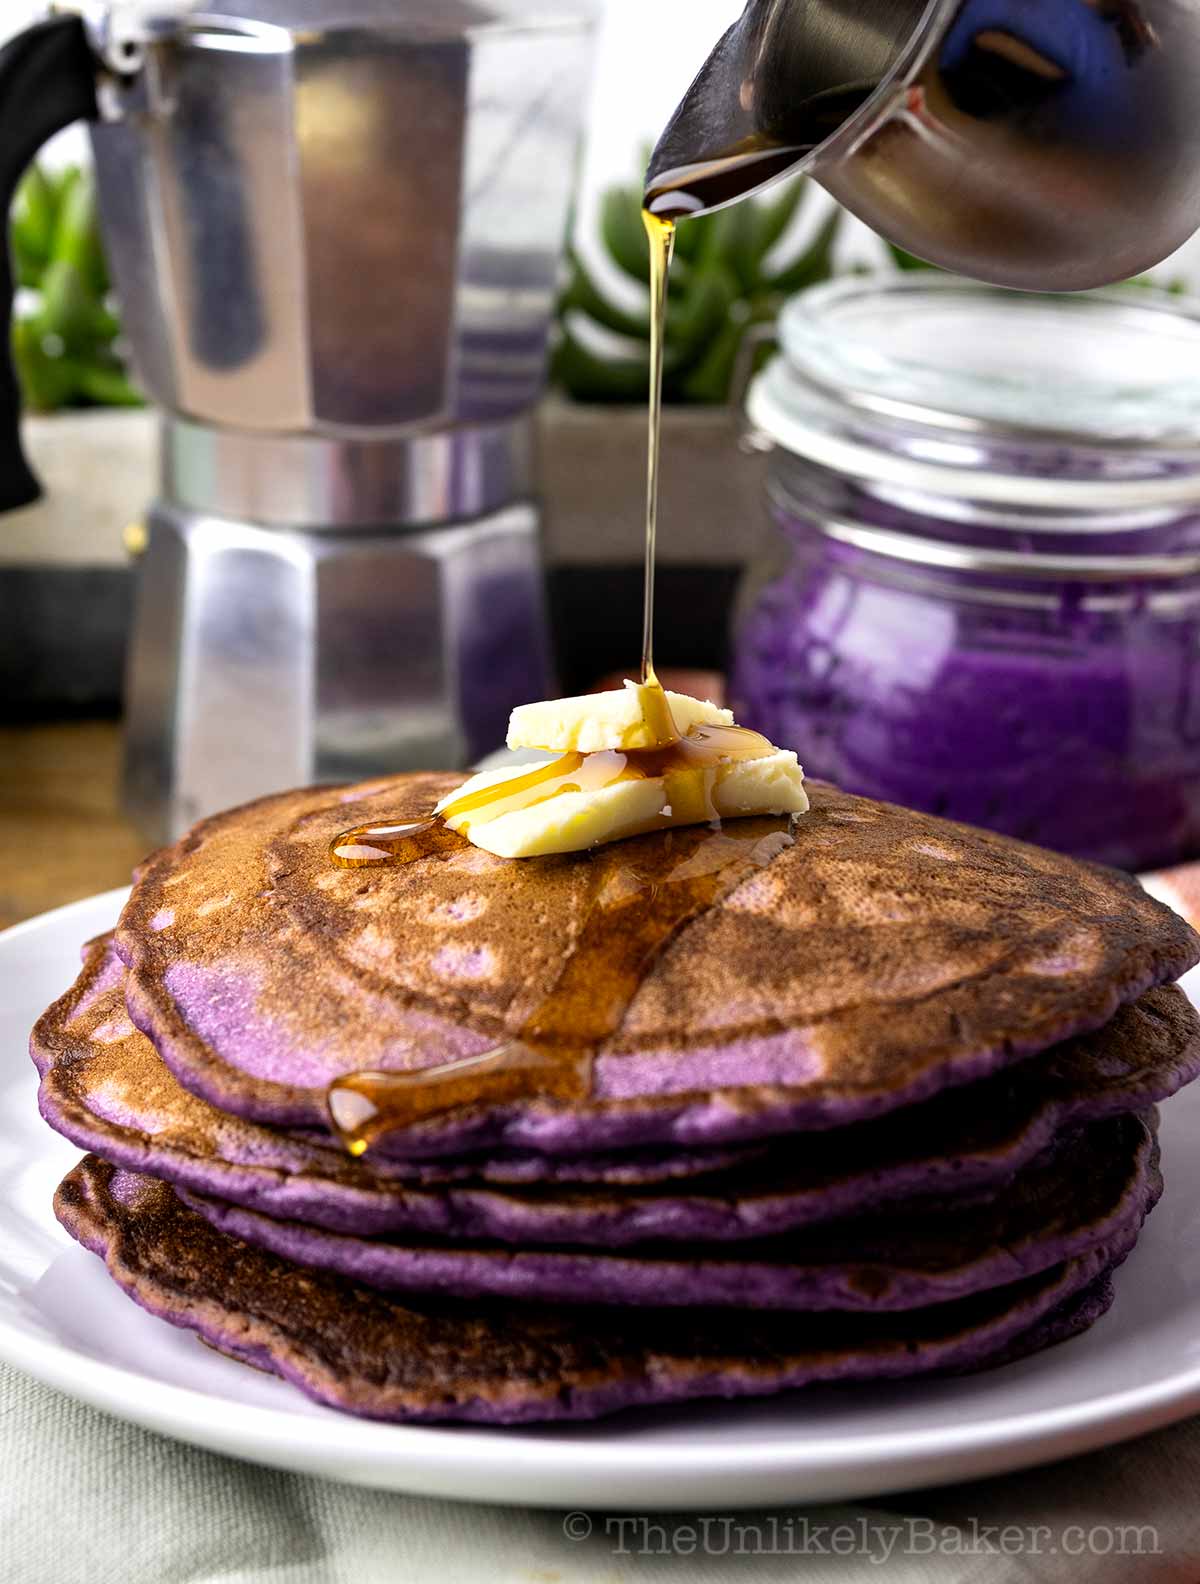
(47, 80)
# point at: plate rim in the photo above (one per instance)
(452, 1460)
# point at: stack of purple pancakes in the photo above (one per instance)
(883, 1106)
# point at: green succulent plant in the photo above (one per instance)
(65, 336)
(726, 279)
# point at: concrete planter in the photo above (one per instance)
(66, 584)
(593, 481)
(96, 467)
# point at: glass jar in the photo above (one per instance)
(982, 597)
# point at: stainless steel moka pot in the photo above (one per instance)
(1043, 144)
(335, 229)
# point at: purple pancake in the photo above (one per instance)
(882, 957)
(105, 1088)
(1093, 1187)
(85, 1041)
(432, 1359)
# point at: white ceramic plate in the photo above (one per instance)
(62, 1320)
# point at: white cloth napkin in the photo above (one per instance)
(86, 1499)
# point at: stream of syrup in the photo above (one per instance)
(660, 234)
(704, 748)
(646, 892)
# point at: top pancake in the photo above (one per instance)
(884, 956)
(106, 1089)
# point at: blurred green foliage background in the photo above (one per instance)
(733, 272)
(728, 279)
(65, 333)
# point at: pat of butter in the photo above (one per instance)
(590, 796)
(574, 821)
(596, 722)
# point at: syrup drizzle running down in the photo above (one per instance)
(648, 891)
(645, 896)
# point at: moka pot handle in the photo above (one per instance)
(47, 81)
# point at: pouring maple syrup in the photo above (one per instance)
(660, 233)
(647, 895)
(703, 749)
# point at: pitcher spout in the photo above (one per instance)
(1043, 147)
(780, 85)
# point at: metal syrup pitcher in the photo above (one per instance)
(1041, 144)
(335, 230)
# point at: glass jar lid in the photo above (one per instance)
(936, 384)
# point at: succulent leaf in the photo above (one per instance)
(34, 212)
(775, 217)
(577, 367)
(710, 380)
(77, 234)
(65, 343)
(816, 262)
(47, 381)
(732, 238)
(67, 307)
(721, 284)
(623, 232)
(582, 294)
(906, 261)
(706, 310)
(107, 387)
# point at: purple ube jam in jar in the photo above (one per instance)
(982, 596)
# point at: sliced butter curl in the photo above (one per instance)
(595, 722)
(575, 821)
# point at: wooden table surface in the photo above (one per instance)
(61, 834)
